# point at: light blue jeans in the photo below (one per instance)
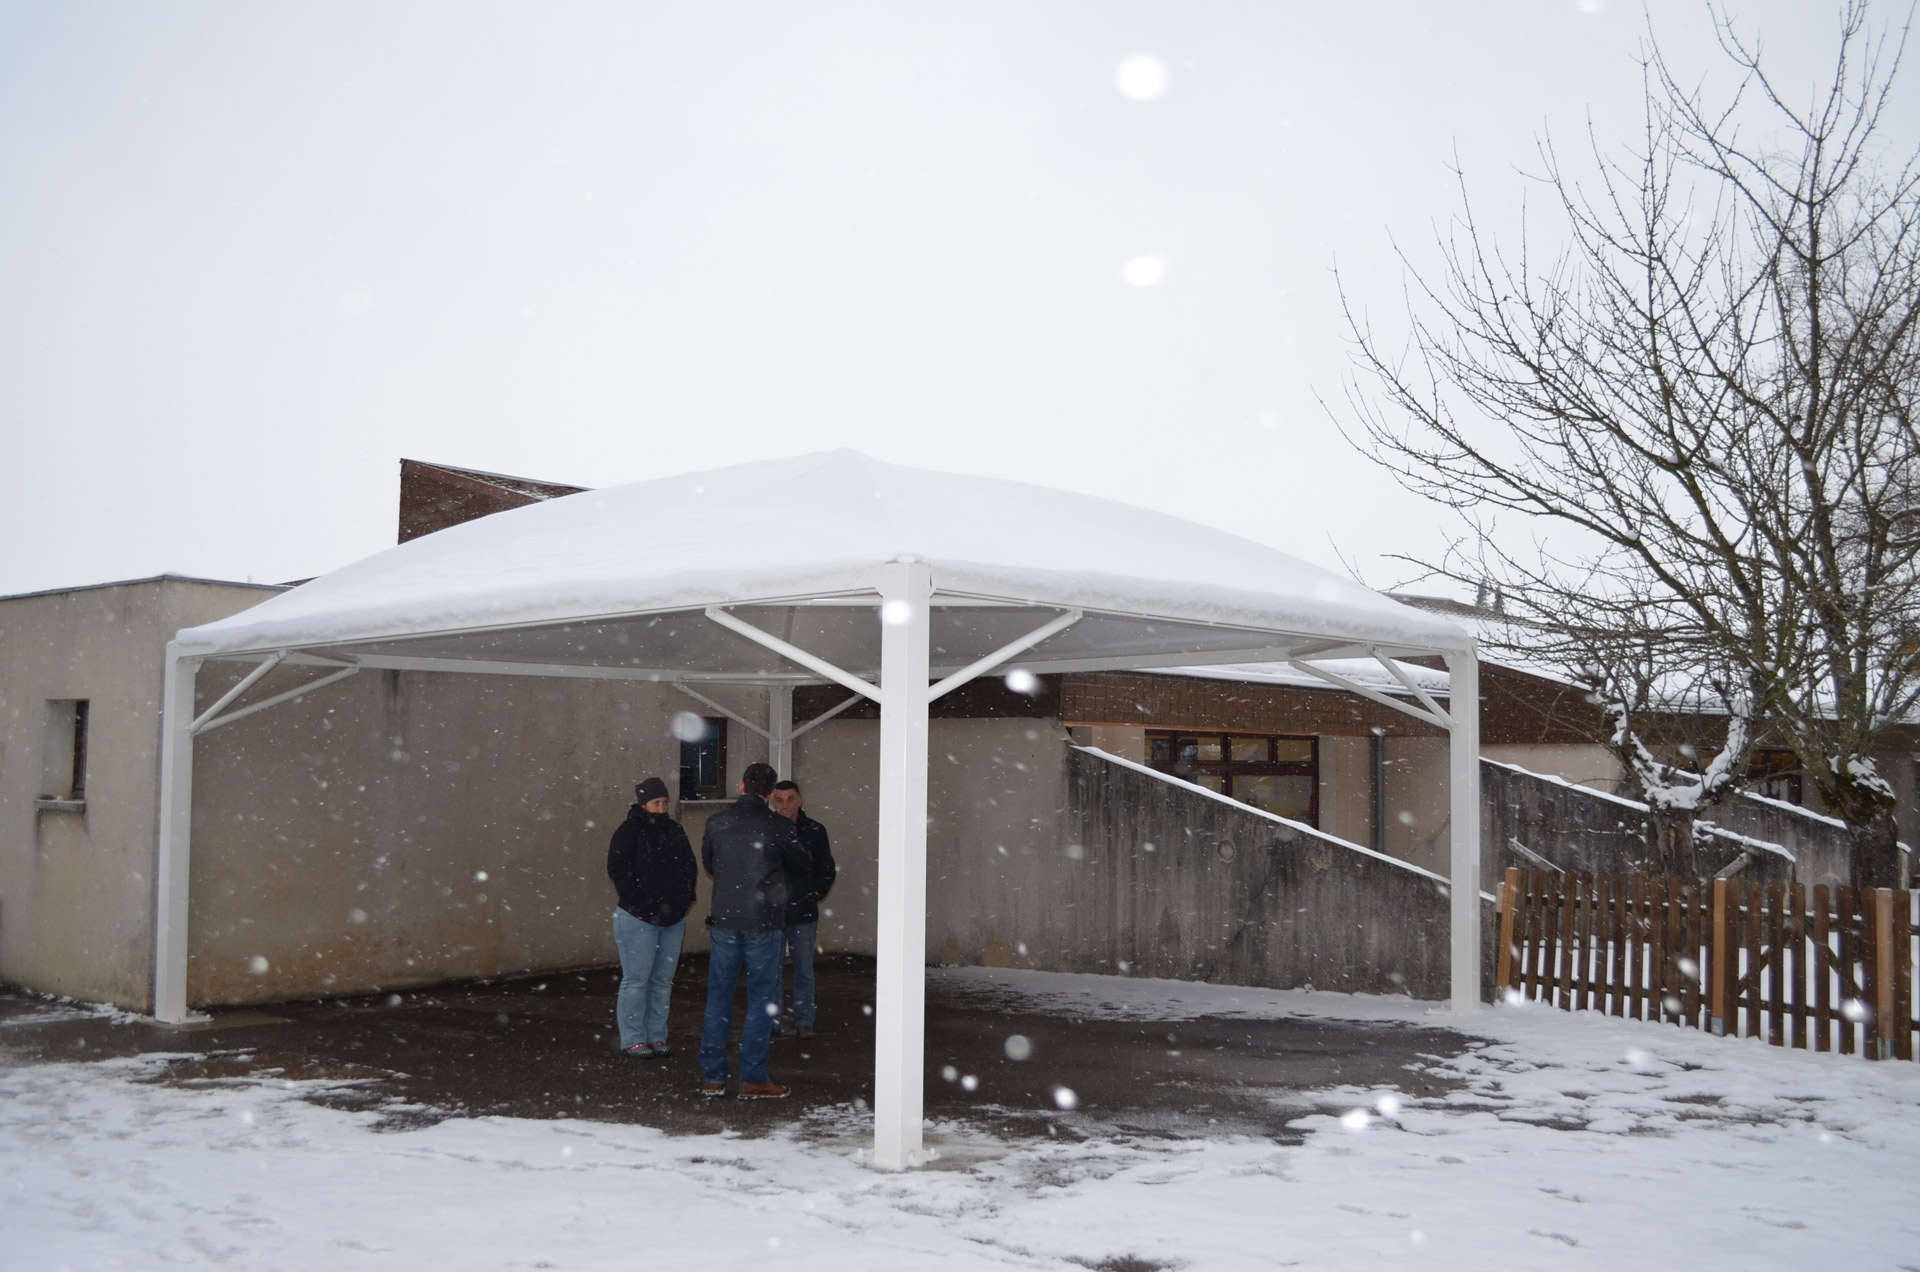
(648, 955)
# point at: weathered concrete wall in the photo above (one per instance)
(76, 888)
(1169, 883)
(344, 838)
(995, 795)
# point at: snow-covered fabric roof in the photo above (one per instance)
(773, 531)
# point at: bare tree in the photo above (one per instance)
(1710, 390)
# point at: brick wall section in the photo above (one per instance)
(1190, 702)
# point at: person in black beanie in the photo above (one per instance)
(651, 864)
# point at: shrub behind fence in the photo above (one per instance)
(1833, 972)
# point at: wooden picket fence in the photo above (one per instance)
(1835, 973)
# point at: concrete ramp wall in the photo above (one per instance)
(1177, 882)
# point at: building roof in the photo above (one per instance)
(151, 578)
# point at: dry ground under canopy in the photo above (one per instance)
(1212, 1127)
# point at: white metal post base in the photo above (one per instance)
(900, 996)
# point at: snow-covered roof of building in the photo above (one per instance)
(1361, 671)
(789, 532)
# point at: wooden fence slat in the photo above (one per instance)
(1509, 903)
(1536, 943)
(1882, 980)
(1587, 970)
(1636, 947)
(1690, 953)
(1757, 948)
(1848, 924)
(1797, 965)
(1903, 1004)
(1822, 970)
(1776, 968)
(1658, 960)
(1565, 992)
(1606, 954)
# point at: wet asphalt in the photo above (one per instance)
(544, 1047)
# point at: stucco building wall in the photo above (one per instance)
(76, 887)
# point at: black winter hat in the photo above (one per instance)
(651, 789)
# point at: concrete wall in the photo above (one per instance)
(76, 887)
(1170, 883)
(995, 795)
(410, 828)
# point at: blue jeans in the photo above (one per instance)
(759, 954)
(799, 938)
(648, 955)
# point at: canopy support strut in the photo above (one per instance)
(981, 666)
(1436, 717)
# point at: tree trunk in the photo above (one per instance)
(1875, 851)
(1670, 849)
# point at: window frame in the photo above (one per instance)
(1228, 769)
(694, 793)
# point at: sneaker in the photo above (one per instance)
(807, 1031)
(638, 1051)
(714, 1090)
(762, 1091)
(785, 1030)
(661, 1049)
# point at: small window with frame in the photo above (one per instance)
(1275, 774)
(703, 762)
(63, 754)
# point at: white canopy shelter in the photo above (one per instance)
(899, 584)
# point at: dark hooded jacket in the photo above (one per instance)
(803, 905)
(756, 861)
(651, 864)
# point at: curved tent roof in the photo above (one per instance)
(586, 580)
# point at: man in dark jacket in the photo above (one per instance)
(756, 862)
(803, 907)
(651, 865)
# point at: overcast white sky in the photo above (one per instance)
(252, 255)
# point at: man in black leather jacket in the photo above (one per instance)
(756, 862)
(651, 865)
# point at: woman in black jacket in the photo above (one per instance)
(651, 865)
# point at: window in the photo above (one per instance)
(703, 762)
(1274, 774)
(63, 752)
(1775, 774)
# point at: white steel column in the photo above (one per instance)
(1463, 705)
(174, 847)
(780, 730)
(901, 992)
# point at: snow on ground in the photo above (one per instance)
(1577, 1141)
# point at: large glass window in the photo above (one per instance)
(1274, 774)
